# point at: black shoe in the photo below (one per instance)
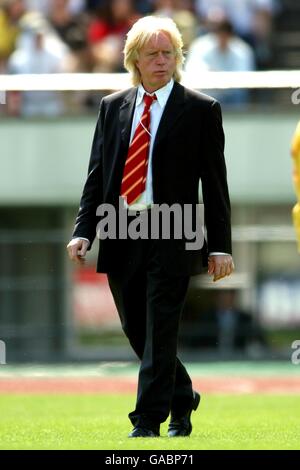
(143, 432)
(181, 425)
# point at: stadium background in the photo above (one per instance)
(54, 313)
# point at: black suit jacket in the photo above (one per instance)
(189, 146)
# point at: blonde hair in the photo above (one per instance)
(140, 33)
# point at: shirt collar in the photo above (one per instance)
(162, 94)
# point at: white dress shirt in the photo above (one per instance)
(145, 200)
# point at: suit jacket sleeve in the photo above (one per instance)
(214, 184)
(86, 221)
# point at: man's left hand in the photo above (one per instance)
(220, 266)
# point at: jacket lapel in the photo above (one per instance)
(126, 115)
(173, 110)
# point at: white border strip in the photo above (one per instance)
(119, 81)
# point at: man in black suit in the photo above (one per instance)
(152, 145)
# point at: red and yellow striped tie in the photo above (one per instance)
(136, 164)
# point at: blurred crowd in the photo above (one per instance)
(53, 36)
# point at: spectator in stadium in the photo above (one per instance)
(11, 11)
(107, 32)
(181, 12)
(44, 6)
(221, 51)
(149, 277)
(33, 57)
(80, 60)
(64, 20)
(227, 327)
(251, 20)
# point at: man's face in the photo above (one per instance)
(156, 62)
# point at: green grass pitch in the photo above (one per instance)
(100, 422)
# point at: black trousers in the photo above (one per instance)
(149, 302)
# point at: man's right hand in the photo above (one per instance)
(77, 249)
